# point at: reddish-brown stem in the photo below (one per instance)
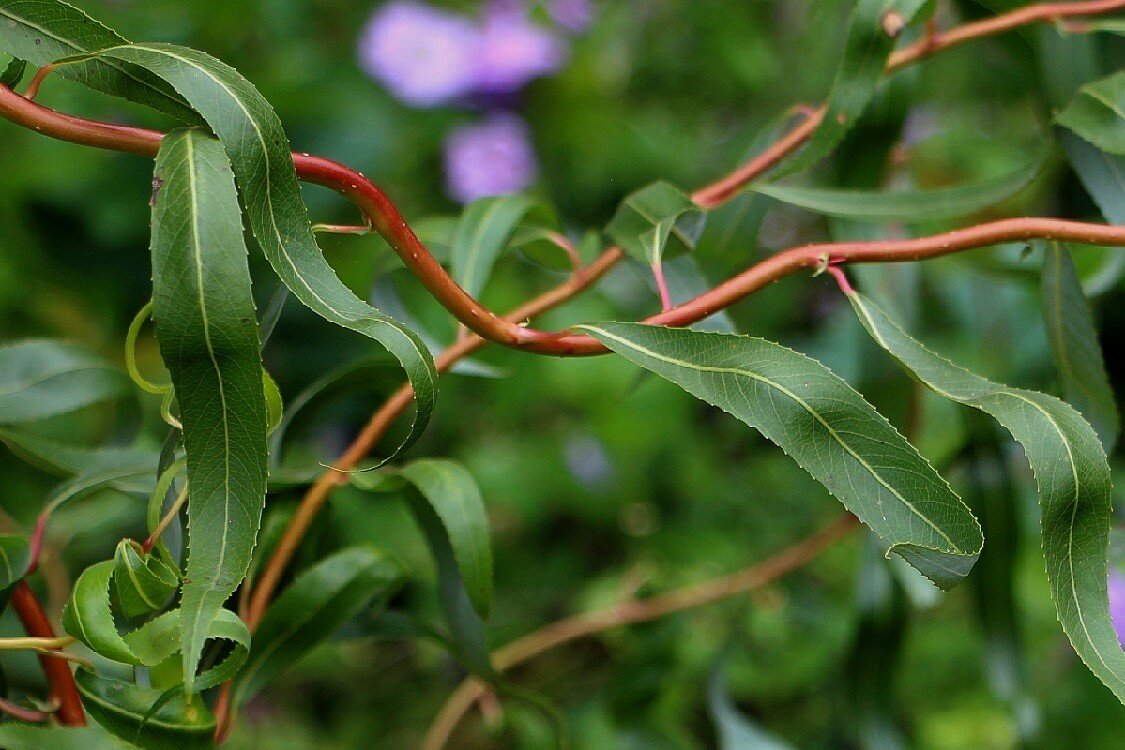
(661, 285)
(23, 714)
(32, 90)
(841, 279)
(642, 610)
(59, 677)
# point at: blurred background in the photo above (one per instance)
(600, 483)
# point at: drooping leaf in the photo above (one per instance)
(42, 379)
(65, 458)
(1074, 484)
(908, 206)
(15, 556)
(872, 30)
(483, 232)
(14, 736)
(826, 427)
(258, 148)
(1097, 113)
(1074, 343)
(320, 601)
(655, 222)
(206, 326)
(43, 31)
(1102, 174)
(13, 72)
(179, 722)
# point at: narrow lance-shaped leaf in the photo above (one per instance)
(1097, 113)
(318, 603)
(1074, 343)
(206, 326)
(874, 26)
(43, 31)
(15, 556)
(1102, 174)
(736, 732)
(255, 141)
(483, 232)
(1074, 485)
(43, 379)
(827, 428)
(909, 206)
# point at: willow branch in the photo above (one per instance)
(389, 222)
(59, 678)
(643, 610)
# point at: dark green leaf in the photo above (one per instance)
(1097, 113)
(15, 556)
(1074, 486)
(828, 428)
(42, 379)
(13, 73)
(206, 325)
(1074, 342)
(320, 601)
(1102, 174)
(908, 206)
(43, 31)
(181, 722)
(867, 48)
(143, 582)
(255, 141)
(656, 221)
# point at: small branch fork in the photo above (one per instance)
(512, 330)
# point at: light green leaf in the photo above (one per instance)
(258, 148)
(1074, 487)
(317, 604)
(1102, 174)
(656, 221)
(1097, 113)
(206, 326)
(867, 48)
(179, 722)
(15, 736)
(826, 427)
(15, 556)
(43, 31)
(1074, 343)
(908, 206)
(43, 379)
(483, 232)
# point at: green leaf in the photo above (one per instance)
(15, 736)
(827, 428)
(65, 458)
(483, 232)
(1102, 174)
(43, 379)
(258, 148)
(1074, 343)
(206, 325)
(13, 72)
(179, 722)
(736, 732)
(1097, 113)
(317, 604)
(867, 48)
(143, 582)
(1074, 487)
(454, 496)
(908, 206)
(43, 31)
(656, 221)
(15, 556)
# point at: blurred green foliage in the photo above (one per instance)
(601, 483)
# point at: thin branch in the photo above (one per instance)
(642, 610)
(24, 714)
(389, 222)
(59, 679)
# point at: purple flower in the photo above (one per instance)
(573, 15)
(1117, 604)
(494, 157)
(423, 55)
(514, 50)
